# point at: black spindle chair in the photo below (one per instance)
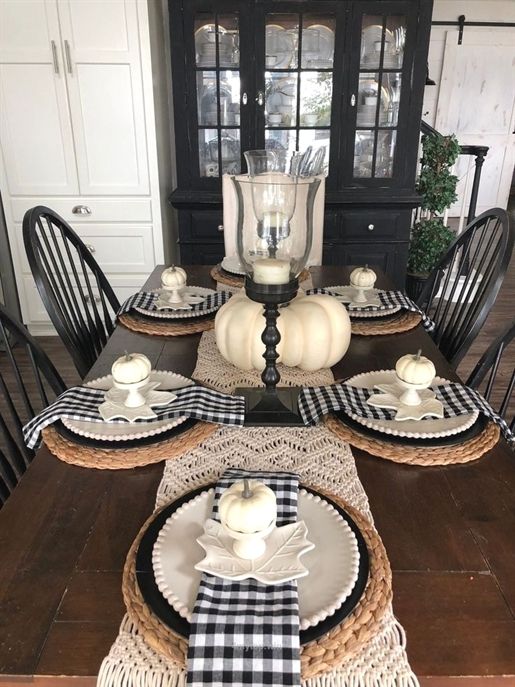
(462, 288)
(492, 376)
(76, 294)
(28, 383)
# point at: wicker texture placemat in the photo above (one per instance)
(470, 450)
(123, 458)
(168, 328)
(403, 323)
(324, 654)
(224, 277)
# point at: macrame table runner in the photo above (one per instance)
(323, 461)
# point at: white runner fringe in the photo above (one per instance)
(322, 460)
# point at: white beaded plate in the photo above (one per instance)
(333, 564)
(430, 428)
(181, 314)
(233, 265)
(109, 431)
(345, 294)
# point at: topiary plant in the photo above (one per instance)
(430, 238)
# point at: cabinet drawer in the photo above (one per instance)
(102, 209)
(202, 224)
(34, 310)
(201, 253)
(116, 248)
(373, 224)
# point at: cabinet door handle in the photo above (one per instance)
(371, 227)
(353, 100)
(91, 248)
(244, 99)
(81, 210)
(220, 227)
(54, 57)
(260, 98)
(68, 57)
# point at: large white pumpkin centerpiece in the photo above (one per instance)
(315, 332)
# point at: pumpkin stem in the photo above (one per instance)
(127, 355)
(366, 265)
(419, 352)
(247, 491)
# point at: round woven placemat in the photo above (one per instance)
(326, 653)
(403, 323)
(124, 458)
(168, 328)
(415, 455)
(223, 277)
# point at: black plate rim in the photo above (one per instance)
(150, 592)
(233, 275)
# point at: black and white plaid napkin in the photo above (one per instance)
(81, 403)
(247, 633)
(146, 300)
(388, 300)
(456, 399)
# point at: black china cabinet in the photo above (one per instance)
(344, 74)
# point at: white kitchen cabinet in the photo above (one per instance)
(77, 132)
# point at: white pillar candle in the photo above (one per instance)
(270, 271)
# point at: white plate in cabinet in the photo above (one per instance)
(116, 248)
(84, 209)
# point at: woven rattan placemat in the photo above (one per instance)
(324, 654)
(415, 455)
(223, 277)
(124, 458)
(167, 328)
(403, 323)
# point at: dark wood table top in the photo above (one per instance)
(449, 533)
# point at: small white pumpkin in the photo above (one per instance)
(315, 332)
(131, 368)
(363, 277)
(415, 369)
(248, 506)
(173, 277)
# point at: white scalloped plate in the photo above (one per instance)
(233, 265)
(109, 431)
(181, 314)
(430, 428)
(333, 564)
(346, 292)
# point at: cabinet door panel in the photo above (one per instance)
(38, 151)
(201, 253)
(104, 85)
(390, 257)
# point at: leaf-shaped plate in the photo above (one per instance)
(280, 562)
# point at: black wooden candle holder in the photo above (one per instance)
(271, 405)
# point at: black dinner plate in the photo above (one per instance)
(453, 440)
(130, 443)
(164, 611)
(231, 274)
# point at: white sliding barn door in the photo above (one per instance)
(477, 103)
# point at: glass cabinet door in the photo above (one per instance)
(297, 81)
(376, 100)
(218, 97)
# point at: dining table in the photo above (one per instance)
(449, 533)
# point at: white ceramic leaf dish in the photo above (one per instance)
(181, 314)
(430, 428)
(116, 432)
(333, 563)
(345, 295)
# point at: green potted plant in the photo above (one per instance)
(430, 237)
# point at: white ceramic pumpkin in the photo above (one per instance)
(363, 277)
(173, 277)
(415, 369)
(315, 332)
(131, 368)
(248, 506)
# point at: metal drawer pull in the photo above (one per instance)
(54, 57)
(87, 298)
(91, 248)
(81, 210)
(370, 227)
(68, 56)
(220, 227)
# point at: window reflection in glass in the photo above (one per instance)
(382, 36)
(385, 153)
(280, 99)
(208, 40)
(282, 141)
(208, 152)
(230, 151)
(316, 139)
(363, 153)
(281, 40)
(316, 91)
(317, 42)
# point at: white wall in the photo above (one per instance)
(450, 10)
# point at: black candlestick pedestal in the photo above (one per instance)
(271, 406)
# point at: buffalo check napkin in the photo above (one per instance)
(456, 399)
(247, 633)
(147, 300)
(388, 300)
(81, 403)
